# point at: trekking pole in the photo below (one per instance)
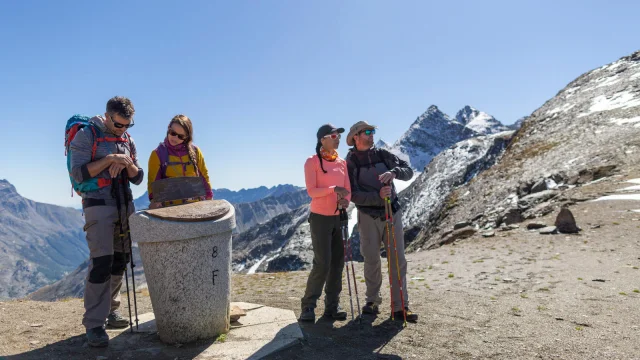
(116, 185)
(132, 263)
(395, 248)
(346, 265)
(344, 221)
(386, 217)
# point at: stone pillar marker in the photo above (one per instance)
(186, 253)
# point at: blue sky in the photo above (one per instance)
(259, 77)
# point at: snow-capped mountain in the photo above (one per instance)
(429, 134)
(478, 121)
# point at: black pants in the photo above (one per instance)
(328, 261)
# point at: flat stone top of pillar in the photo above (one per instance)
(198, 211)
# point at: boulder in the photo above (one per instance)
(566, 223)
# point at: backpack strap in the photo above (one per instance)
(355, 160)
(94, 148)
(163, 155)
(97, 137)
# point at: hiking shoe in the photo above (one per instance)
(115, 320)
(307, 314)
(336, 313)
(370, 308)
(97, 337)
(411, 316)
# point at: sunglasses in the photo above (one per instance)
(180, 136)
(368, 132)
(333, 136)
(120, 125)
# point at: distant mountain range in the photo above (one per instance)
(234, 197)
(39, 243)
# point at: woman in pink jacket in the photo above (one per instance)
(328, 185)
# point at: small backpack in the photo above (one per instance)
(74, 124)
(163, 156)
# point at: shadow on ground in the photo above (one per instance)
(124, 345)
(353, 340)
(127, 345)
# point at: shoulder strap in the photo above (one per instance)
(351, 155)
(94, 147)
(163, 155)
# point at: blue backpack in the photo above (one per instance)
(74, 124)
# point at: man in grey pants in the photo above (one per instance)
(104, 152)
(371, 174)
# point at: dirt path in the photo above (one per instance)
(518, 295)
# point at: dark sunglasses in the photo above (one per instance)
(368, 132)
(120, 126)
(180, 136)
(333, 136)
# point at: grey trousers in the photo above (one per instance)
(372, 233)
(109, 255)
(328, 261)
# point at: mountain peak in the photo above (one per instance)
(7, 188)
(430, 133)
(479, 121)
(382, 144)
(433, 114)
(432, 110)
(466, 114)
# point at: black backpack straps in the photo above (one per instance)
(353, 157)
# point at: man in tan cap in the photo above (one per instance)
(371, 174)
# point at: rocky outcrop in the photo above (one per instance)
(432, 191)
(587, 132)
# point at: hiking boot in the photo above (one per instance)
(336, 312)
(370, 308)
(97, 337)
(115, 320)
(307, 314)
(411, 316)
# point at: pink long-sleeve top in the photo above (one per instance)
(320, 186)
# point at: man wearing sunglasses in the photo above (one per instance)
(104, 151)
(371, 174)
